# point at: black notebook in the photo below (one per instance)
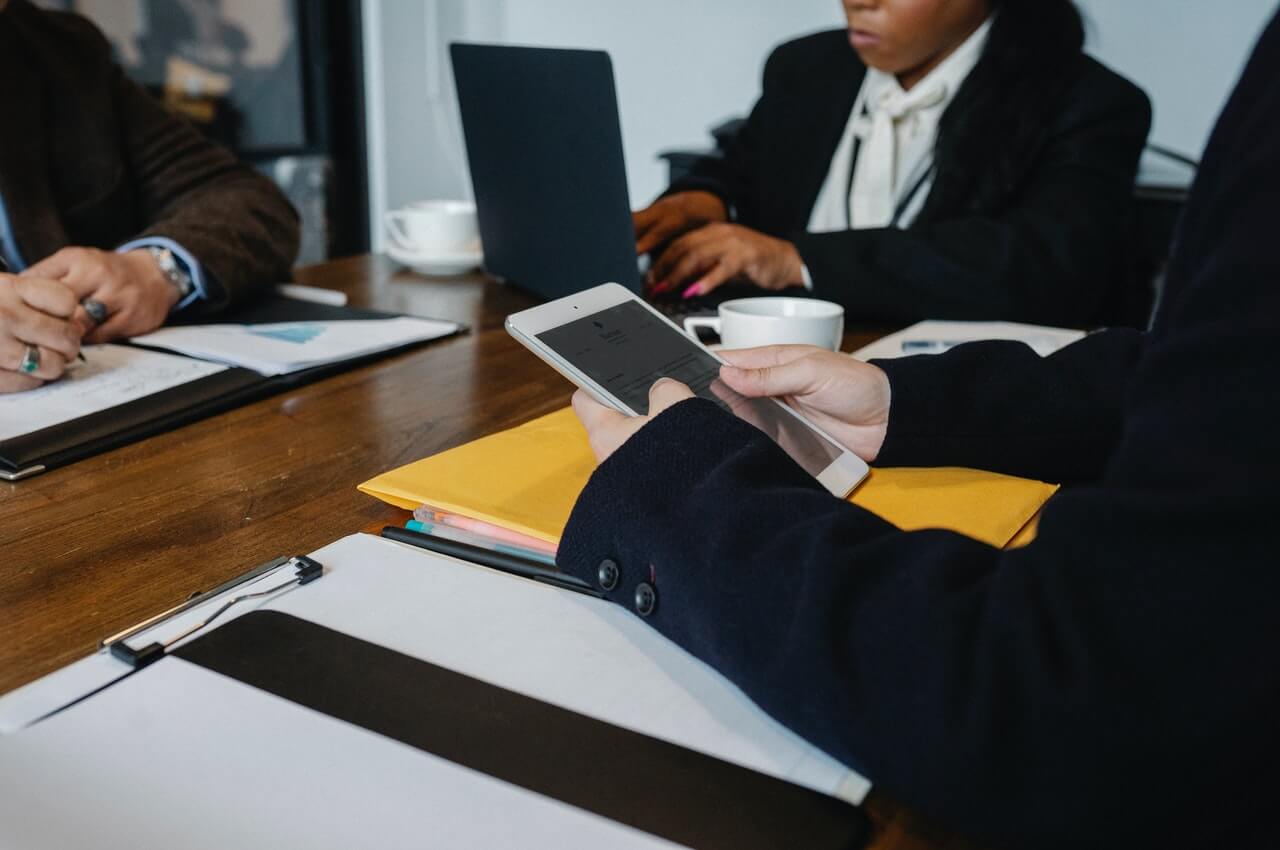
(201, 396)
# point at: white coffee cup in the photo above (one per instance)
(435, 228)
(749, 322)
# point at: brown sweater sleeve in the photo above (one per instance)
(236, 222)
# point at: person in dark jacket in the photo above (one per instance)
(948, 159)
(1113, 684)
(114, 213)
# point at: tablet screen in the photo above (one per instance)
(627, 347)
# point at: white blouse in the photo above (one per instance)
(889, 141)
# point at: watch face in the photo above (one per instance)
(172, 270)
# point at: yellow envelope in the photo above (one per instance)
(527, 479)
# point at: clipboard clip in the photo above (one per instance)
(305, 571)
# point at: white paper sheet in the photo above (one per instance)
(29, 703)
(112, 375)
(921, 337)
(180, 757)
(25, 705)
(275, 349)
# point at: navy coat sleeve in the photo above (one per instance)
(1000, 406)
(1112, 684)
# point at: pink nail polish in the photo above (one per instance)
(692, 292)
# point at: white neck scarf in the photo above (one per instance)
(893, 132)
(876, 172)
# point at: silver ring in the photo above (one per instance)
(30, 360)
(96, 310)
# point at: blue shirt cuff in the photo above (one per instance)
(199, 287)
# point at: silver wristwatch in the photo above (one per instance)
(172, 269)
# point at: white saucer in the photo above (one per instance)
(439, 265)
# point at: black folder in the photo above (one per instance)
(39, 451)
(667, 790)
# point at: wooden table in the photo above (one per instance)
(97, 546)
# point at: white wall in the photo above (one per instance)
(1187, 54)
(684, 65)
(681, 67)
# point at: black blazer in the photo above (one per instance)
(1115, 683)
(87, 157)
(1044, 242)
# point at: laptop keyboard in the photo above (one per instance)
(678, 311)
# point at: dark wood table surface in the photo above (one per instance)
(95, 547)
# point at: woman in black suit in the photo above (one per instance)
(963, 160)
(1112, 684)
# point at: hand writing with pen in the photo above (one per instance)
(72, 296)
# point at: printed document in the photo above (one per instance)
(112, 375)
(936, 337)
(283, 347)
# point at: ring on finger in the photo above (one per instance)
(96, 309)
(30, 361)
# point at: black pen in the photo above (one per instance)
(501, 561)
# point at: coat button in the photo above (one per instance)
(646, 599)
(607, 574)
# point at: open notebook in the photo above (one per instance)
(123, 393)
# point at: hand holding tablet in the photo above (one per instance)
(615, 347)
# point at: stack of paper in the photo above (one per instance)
(277, 349)
(935, 337)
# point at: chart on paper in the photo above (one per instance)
(283, 347)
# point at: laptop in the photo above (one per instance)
(544, 144)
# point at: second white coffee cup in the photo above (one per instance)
(750, 322)
(435, 228)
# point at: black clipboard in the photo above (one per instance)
(660, 787)
(39, 451)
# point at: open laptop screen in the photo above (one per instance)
(544, 146)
